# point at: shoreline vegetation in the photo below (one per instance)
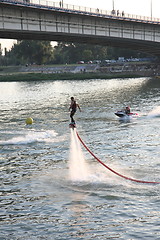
(61, 76)
(77, 72)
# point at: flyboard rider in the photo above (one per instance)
(73, 108)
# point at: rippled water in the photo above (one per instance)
(52, 188)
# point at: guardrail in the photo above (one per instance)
(60, 6)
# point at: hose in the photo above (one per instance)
(110, 169)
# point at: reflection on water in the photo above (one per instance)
(51, 188)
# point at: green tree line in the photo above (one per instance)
(42, 52)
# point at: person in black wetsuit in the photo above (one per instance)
(73, 108)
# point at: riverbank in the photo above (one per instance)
(78, 72)
(61, 76)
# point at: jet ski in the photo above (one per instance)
(122, 113)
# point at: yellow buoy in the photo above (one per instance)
(29, 120)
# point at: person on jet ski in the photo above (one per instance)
(127, 110)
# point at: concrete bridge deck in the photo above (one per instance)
(29, 20)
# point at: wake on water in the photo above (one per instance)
(154, 113)
(28, 137)
(78, 168)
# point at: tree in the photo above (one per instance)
(41, 52)
(87, 55)
(31, 51)
(74, 52)
(1, 57)
(0, 50)
(115, 53)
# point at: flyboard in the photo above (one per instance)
(72, 125)
(123, 114)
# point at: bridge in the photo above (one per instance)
(55, 21)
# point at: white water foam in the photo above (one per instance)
(154, 113)
(31, 137)
(78, 168)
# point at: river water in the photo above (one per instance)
(52, 187)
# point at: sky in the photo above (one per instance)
(137, 7)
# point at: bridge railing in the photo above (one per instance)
(60, 6)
